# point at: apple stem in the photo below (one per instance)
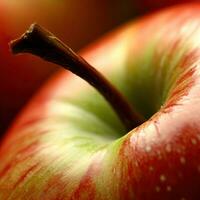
(38, 41)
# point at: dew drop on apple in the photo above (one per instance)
(193, 140)
(182, 160)
(157, 189)
(168, 148)
(162, 178)
(148, 148)
(169, 188)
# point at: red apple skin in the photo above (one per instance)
(158, 160)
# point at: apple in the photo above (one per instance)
(68, 143)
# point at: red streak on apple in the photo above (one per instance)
(55, 187)
(25, 174)
(87, 187)
(23, 155)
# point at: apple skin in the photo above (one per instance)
(68, 144)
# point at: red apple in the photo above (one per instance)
(69, 144)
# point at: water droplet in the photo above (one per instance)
(169, 188)
(193, 141)
(168, 148)
(136, 164)
(182, 160)
(157, 188)
(162, 178)
(151, 168)
(148, 149)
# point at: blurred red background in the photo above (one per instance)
(76, 22)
